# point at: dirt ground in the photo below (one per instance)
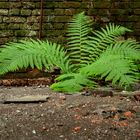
(68, 117)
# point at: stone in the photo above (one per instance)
(27, 99)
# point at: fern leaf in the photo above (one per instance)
(102, 39)
(78, 31)
(114, 66)
(33, 53)
(127, 48)
(72, 82)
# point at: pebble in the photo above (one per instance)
(18, 111)
(61, 136)
(62, 97)
(34, 132)
(128, 100)
(42, 115)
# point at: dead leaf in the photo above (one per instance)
(77, 117)
(77, 129)
(116, 116)
(128, 114)
(138, 133)
(121, 123)
(62, 97)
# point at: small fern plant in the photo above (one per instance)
(88, 55)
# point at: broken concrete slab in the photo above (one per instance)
(26, 99)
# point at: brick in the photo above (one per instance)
(136, 5)
(33, 19)
(6, 33)
(137, 11)
(15, 5)
(4, 5)
(14, 19)
(3, 12)
(14, 12)
(36, 12)
(14, 26)
(3, 26)
(26, 12)
(22, 33)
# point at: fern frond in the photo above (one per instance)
(72, 82)
(128, 48)
(32, 53)
(102, 39)
(114, 67)
(78, 31)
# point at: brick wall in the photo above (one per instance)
(20, 18)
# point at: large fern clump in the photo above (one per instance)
(99, 54)
(88, 55)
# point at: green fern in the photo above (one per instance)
(78, 31)
(102, 39)
(33, 53)
(73, 82)
(100, 54)
(88, 54)
(113, 67)
(116, 64)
